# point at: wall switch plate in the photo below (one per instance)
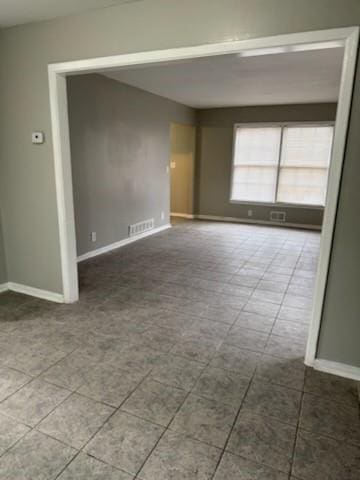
(167, 169)
(162, 215)
(37, 137)
(93, 236)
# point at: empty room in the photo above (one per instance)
(179, 240)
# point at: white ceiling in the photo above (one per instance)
(16, 12)
(230, 80)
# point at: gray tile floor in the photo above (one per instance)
(182, 360)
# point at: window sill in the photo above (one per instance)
(278, 205)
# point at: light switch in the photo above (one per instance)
(37, 137)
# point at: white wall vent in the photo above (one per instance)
(141, 227)
(277, 216)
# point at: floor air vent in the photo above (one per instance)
(141, 227)
(277, 216)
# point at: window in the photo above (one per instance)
(285, 164)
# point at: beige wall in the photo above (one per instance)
(120, 150)
(215, 150)
(182, 168)
(27, 182)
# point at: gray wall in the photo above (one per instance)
(3, 272)
(27, 172)
(214, 158)
(120, 148)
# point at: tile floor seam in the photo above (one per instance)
(233, 425)
(202, 252)
(97, 431)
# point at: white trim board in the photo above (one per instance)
(121, 243)
(335, 368)
(348, 37)
(32, 291)
(183, 215)
(257, 222)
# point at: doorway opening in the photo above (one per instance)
(182, 171)
(336, 38)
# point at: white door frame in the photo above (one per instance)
(61, 144)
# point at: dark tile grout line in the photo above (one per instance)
(233, 425)
(230, 326)
(166, 428)
(241, 405)
(16, 391)
(97, 431)
(161, 436)
(302, 393)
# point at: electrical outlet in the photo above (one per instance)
(250, 213)
(93, 236)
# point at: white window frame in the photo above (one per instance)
(279, 125)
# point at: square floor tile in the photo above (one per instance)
(332, 386)
(36, 456)
(10, 381)
(198, 348)
(222, 385)
(224, 314)
(286, 347)
(296, 301)
(159, 338)
(10, 432)
(244, 279)
(263, 440)
(233, 358)
(237, 468)
(178, 457)
(273, 285)
(155, 402)
(125, 442)
(286, 328)
(327, 417)
(76, 420)
(273, 401)
(293, 314)
(247, 338)
(262, 308)
(255, 322)
(33, 402)
(84, 467)
(109, 384)
(177, 371)
(69, 372)
(139, 359)
(33, 358)
(281, 371)
(267, 296)
(323, 458)
(205, 420)
(208, 328)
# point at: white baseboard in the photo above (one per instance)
(4, 287)
(35, 292)
(121, 243)
(257, 222)
(340, 369)
(183, 215)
